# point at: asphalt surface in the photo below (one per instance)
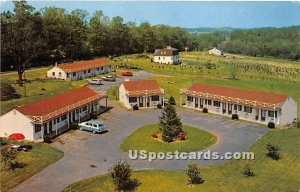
(88, 154)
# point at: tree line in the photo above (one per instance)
(33, 37)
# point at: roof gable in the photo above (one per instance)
(141, 85)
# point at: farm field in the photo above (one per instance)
(270, 175)
(197, 67)
(40, 157)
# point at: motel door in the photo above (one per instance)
(263, 115)
(141, 102)
(148, 101)
(223, 108)
(196, 102)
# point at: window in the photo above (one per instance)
(84, 72)
(163, 58)
(74, 74)
(84, 108)
(271, 114)
(101, 68)
(37, 128)
(240, 108)
(110, 66)
(89, 71)
(190, 98)
(132, 99)
(53, 73)
(68, 74)
(234, 107)
(247, 109)
(98, 69)
(155, 98)
(209, 102)
(64, 117)
(158, 58)
(59, 74)
(217, 103)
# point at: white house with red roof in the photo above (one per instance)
(143, 93)
(52, 116)
(80, 70)
(254, 106)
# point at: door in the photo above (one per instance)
(224, 108)
(50, 126)
(196, 102)
(229, 108)
(201, 103)
(263, 115)
(141, 102)
(256, 114)
(148, 101)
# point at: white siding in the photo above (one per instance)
(56, 73)
(288, 111)
(166, 59)
(16, 122)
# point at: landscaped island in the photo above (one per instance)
(270, 175)
(141, 139)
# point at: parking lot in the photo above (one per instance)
(88, 154)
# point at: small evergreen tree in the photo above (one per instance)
(8, 155)
(193, 172)
(169, 123)
(121, 173)
(273, 151)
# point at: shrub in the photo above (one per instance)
(193, 172)
(47, 139)
(205, 110)
(8, 155)
(93, 115)
(121, 173)
(248, 171)
(271, 125)
(7, 91)
(154, 135)
(273, 151)
(74, 125)
(235, 117)
(181, 136)
(135, 107)
(159, 106)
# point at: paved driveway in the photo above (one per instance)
(88, 155)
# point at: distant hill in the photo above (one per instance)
(208, 29)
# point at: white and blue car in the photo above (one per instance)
(93, 125)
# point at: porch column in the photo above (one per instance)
(68, 119)
(79, 115)
(55, 127)
(42, 130)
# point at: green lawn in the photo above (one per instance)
(40, 157)
(141, 140)
(270, 175)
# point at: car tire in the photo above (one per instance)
(80, 128)
(94, 132)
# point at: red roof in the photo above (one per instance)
(239, 93)
(142, 87)
(83, 65)
(57, 102)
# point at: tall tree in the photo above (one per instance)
(169, 123)
(119, 33)
(21, 35)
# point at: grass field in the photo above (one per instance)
(141, 140)
(270, 175)
(40, 157)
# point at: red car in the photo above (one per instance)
(127, 73)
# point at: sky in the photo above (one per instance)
(188, 14)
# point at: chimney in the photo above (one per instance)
(55, 64)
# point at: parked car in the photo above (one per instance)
(109, 78)
(95, 81)
(127, 73)
(93, 125)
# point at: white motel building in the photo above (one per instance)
(80, 70)
(53, 115)
(143, 93)
(168, 55)
(254, 106)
